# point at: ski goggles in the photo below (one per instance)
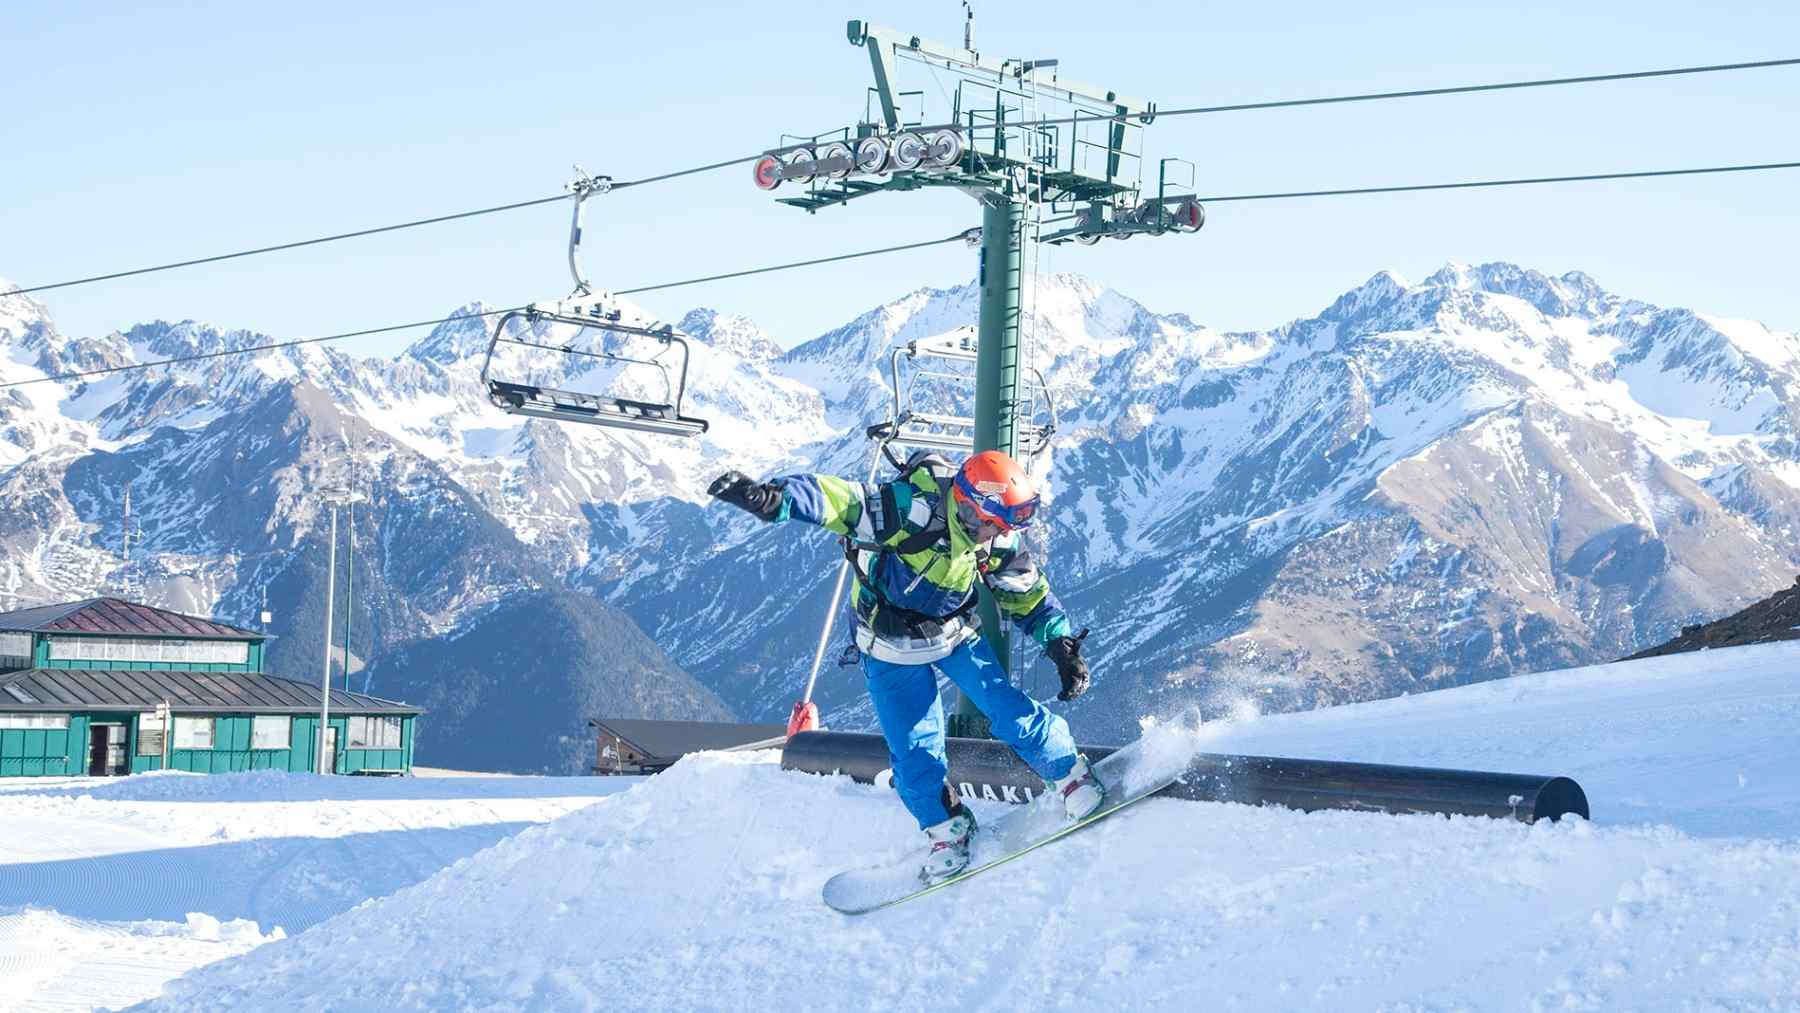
(991, 508)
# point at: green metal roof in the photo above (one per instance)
(62, 690)
(117, 617)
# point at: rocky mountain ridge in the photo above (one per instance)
(1489, 471)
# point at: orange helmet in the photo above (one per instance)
(996, 490)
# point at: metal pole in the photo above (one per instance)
(325, 678)
(837, 595)
(996, 389)
(349, 583)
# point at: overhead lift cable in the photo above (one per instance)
(1522, 181)
(286, 246)
(970, 236)
(1190, 111)
(1464, 89)
(961, 237)
(359, 233)
(251, 349)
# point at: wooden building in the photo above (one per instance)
(629, 746)
(106, 686)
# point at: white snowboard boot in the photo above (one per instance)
(1082, 793)
(949, 853)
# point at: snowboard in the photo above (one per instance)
(1129, 775)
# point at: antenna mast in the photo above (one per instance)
(125, 577)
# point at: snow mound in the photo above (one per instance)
(699, 890)
(1704, 742)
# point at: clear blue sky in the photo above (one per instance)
(141, 133)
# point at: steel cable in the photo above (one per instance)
(278, 345)
(1189, 111)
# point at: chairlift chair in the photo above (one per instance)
(911, 426)
(587, 308)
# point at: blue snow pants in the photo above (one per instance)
(912, 721)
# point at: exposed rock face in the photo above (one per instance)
(1776, 617)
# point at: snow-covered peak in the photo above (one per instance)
(464, 334)
(24, 323)
(1573, 294)
(726, 332)
(161, 339)
(1379, 291)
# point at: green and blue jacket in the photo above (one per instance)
(937, 580)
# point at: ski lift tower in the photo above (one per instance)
(1025, 143)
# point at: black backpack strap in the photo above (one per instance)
(943, 473)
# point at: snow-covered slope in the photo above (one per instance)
(699, 888)
(109, 888)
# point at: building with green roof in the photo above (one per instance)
(106, 687)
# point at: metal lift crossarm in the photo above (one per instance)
(883, 42)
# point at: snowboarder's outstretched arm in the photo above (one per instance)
(874, 514)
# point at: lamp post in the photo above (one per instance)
(325, 676)
(349, 570)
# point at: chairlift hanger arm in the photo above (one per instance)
(583, 186)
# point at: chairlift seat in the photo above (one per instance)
(597, 409)
(645, 407)
(574, 406)
(589, 308)
(937, 431)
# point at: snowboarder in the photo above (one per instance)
(918, 544)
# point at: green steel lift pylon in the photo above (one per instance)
(996, 395)
(992, 143)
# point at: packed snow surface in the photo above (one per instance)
(109, 888)
(699, 889)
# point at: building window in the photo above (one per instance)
(16, 645)
(152, 733)
(374, 733)
(193, 733)
(212, 652)
(271, 731)
(34, 722)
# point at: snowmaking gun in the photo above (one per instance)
(986, 769)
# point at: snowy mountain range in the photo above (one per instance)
(1487, 472)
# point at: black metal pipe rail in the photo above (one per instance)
(983, 768)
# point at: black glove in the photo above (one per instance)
(740, 490)
(1066, 652)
